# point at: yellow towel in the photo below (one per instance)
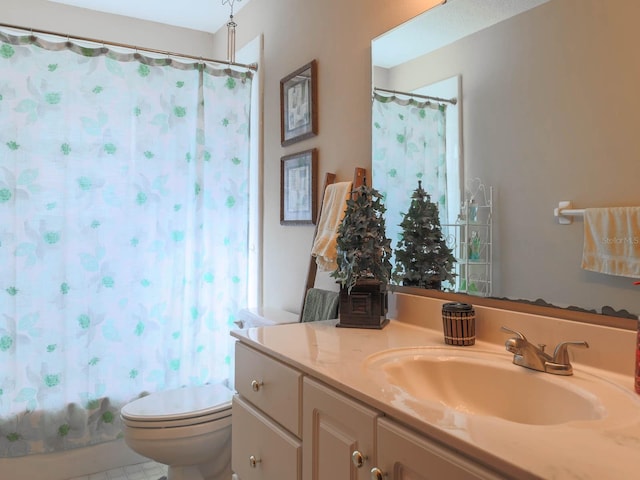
(334, 205)
(612, 241)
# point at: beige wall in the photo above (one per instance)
(551, 111)
(338, 35)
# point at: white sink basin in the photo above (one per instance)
(489, 384)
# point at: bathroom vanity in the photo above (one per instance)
(319, 402)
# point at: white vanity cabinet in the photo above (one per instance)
(266, 418)
(289, 426)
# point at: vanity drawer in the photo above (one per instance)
(270, 385)
(261, 448)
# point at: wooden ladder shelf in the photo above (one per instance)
(359, 175)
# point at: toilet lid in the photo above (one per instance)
(179, 407)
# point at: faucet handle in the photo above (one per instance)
(561, 355)
(518, 334)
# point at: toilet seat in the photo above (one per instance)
(179, 407)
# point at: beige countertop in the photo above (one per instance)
(608, 448)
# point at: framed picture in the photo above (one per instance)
(299, 105)
(298, 191)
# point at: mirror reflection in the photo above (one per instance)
(411, 160)
(548, 102)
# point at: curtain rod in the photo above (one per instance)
(251, 66)
(452, 101)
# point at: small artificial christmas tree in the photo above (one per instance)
(423, 258)
(364, 251)
(364, 261)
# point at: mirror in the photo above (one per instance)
(549, 110)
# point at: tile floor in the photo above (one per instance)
(142, 471)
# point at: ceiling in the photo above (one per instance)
(204, 15)
(442, 25)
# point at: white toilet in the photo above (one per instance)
(188, 429)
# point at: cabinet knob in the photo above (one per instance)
(256, 385)
(358, 459)
(253, 461)
(377, 474)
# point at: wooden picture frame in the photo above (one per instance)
(299, 104)
(298, 189)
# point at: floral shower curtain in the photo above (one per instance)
(409, 144)
(124, 213)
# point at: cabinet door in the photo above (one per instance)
(335, 429)
(404, 455)
(262, 450)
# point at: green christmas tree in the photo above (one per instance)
(423, 258)
(363, 249)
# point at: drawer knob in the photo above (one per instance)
(358, 459)
(253, 461)
(376, 474)
(256, 385)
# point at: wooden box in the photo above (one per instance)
(365, 306)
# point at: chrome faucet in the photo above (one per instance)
(534, 357)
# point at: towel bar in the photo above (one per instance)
(564, 212)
